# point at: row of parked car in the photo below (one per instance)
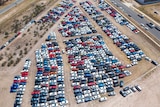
(128, 90)
(49, 80)
(94, 69)
(132, 51)
(54, 14)
(117, 16)
(19, 84)
(75, 23)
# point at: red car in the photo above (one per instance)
(91, 83)
(76, 87)
(122, 75)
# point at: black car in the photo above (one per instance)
(157, 28)
(151, 25)
(154, 63)
(121, 83)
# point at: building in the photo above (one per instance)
(147, 1)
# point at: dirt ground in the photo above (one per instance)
(150, 84)
(6, 3)
(152, 10)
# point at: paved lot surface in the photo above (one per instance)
(150, 92)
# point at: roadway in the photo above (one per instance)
(8, 7)
(135, 16)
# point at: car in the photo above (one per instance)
(142, 25)
(102, 99)
(146, 28)
(80, 101)
(127, 73)
(96, 97)
(154, 62)
(151, 25)
(121, 83)
(141, 16)
(138, 88)
(111, 93)
(126, 88)
(53, 105)
(133, 89)
(123, 93)
(129, 15)
(80, 97)
(157, 28)
(87, 99)
(64, 102)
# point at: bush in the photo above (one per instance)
(41, 27)
(28, 30)
(18, 47)
(8, 48)
(14, 53)
(35, 41)
(20, 53)
(1, 58)
(10, 57)
(6, 37)
(16, 62)
(26, 44)
(4, 63)
(10, 63)
(23, 35)
(25, 51)
(6, 33)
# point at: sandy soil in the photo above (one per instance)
(6, 3)
(148, 9)
(149, 95)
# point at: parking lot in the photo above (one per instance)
(87, 55)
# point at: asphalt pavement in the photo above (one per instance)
(135, 16)
(8, 7)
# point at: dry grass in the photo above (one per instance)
(149, 10)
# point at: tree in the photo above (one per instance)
(2, 2)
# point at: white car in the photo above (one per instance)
(127, 73)
(61, 92)
(146, 28)
(96, 97)
(102, 91)
(80, 101)
(63, 102)
(52, 101)
(53, 105)
(80, 97)
(88, 94)
(111, 93)
(142, 24)
(102, 99)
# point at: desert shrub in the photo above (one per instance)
(4, 63)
